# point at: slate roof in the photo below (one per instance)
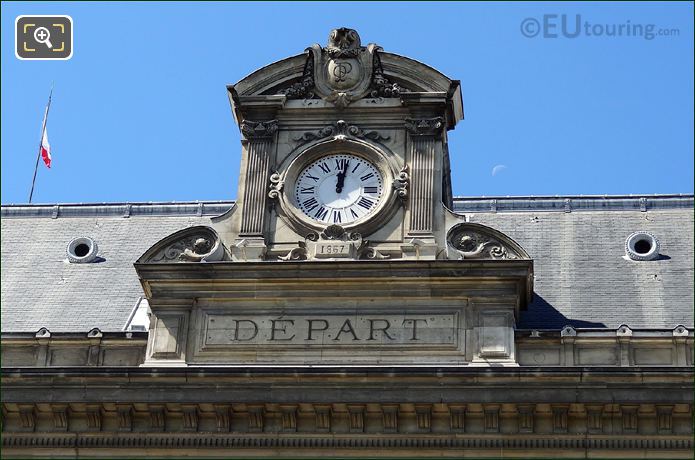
(577, 244)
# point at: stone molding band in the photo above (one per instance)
(218, 441)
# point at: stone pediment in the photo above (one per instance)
(278, 77)
(343, 72)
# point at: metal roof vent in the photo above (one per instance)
(82, 250)
(642, 246)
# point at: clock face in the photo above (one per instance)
(339, 189)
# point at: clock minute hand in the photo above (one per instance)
(341, 178)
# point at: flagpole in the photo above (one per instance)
(38, 155)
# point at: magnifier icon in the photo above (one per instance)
(42, 35)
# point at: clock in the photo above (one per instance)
(339, 188)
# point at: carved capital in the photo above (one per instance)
(424, 126)
(258, 129)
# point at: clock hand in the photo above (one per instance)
(341, 178)
(341, 182)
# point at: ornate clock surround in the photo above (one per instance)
(283, 181)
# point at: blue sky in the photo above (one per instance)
(140, 112)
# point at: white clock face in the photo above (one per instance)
(339, 189)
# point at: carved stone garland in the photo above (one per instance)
(339, 130)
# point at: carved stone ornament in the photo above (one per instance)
(276, 185)
(424, 126)
(475, 241)
(304, 89)
(400, 183)
(342, 72)
(333, 243)
(258, 129)
(339, 130)
(195, 244)
(381, 85)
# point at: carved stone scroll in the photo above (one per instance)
(276, 185)
(400, 183)
(194, 244)
(475, 241)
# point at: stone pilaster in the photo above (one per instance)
(258, 139)
(424, 192)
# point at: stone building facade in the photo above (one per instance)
(347, 304)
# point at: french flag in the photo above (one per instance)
(45, 148)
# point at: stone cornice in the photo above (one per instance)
(406, 277)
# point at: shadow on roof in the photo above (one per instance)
(542, 315)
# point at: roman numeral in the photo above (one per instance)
(367, 176)
(356, 166)
(370, 189)
(310, 204)
(365, 203)
(312, 177)
(308, 189)
(321, 213)
(324, 167)
(354, 214)
(342, 163)
(336, 217)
